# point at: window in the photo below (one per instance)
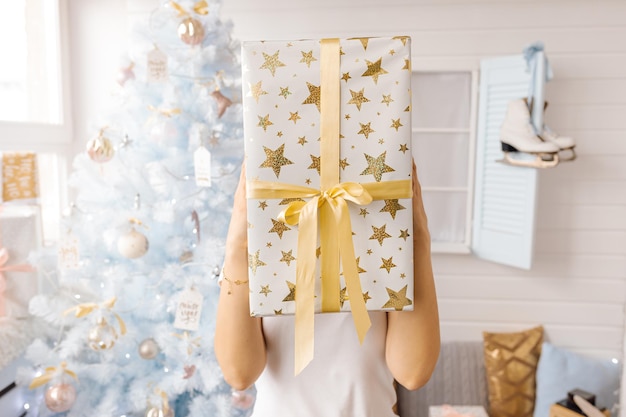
(444, 114)
(34, 95)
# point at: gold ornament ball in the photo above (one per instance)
(103, 336)
(133, 245)
(159, 412)
(60, 397)
(100, 149)
(191, 31)
(148, 349)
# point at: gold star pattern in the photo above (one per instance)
(307, 181)
(302, 140)
(392, 52)
(365, 130)
(284, 91)
(363, 212)
(279, 133)
(254, 262)
(265, 289)
(380, 234)
(369, 251)
(396, 124)
(307, 58)
(279, 228)
(403, 148)
(343, 163)
(292, 292)
(397, 300)
(364, 42)
(358, 98)
(343, 296)
(403, 275)
(314, 95)
(318, 252)
(263, 205)
(381, 141)
(271, 62)
(316, 164)
(264, 122)
(268, 244)
(347, 117)
(402, 39)
(392, 206)
(278, 312)
(377, 166)
(287, 257)
(374, 70)
(407, 65)
(256, 91)
(387, 264)
(275, 159)
(387, 99)
(294, 117)
(358, 268)
(404, 234)
(346, 76)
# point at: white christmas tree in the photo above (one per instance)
(142, 244)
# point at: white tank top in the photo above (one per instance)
(345, 379)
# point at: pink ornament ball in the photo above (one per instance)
(60, 397)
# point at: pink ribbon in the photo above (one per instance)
(4, 258)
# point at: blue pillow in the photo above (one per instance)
(560, 370)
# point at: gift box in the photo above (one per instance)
(19, 176)
(327, 127)
(20, 234)
(282, 117)
(457, 411)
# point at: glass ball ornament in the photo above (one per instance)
(60, 397)
(242, 400)
(102, 336)
(149, 349)
(191, 31)
(133, 244)
(100, 149)
(159, 412)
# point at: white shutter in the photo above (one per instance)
(504, 199)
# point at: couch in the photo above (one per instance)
(458, 379)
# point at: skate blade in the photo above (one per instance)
(540, 161)
(567, 155)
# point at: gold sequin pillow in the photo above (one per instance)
(510, 364)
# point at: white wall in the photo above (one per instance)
(577, 286)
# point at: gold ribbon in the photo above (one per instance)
(85, 309)
(165, 112)
(51, 372)
(200, 7)
(329, 205)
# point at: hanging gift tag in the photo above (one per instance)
(157, 66)
(188, 310)
(202, 166)
(68, 252)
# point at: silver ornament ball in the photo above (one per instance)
(149, 349)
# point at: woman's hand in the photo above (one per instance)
(412, 346)
(239, 341)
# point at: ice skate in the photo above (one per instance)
(518, 135)
(566, 144)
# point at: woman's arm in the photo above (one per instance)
(239, 342)
(412, 346)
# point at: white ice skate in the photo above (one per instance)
(518, 135)
(566, 144)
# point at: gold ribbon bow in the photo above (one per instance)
(329, 205)
(165, 112)
(200, 7)
(52, 372)
(85, 309)
(4, 259)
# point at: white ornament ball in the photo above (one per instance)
(133, 245)
(159, 412)
(60, 397)
(149, 349)
(103, 336)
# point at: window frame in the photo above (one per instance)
(464, 247)
(47, 138)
